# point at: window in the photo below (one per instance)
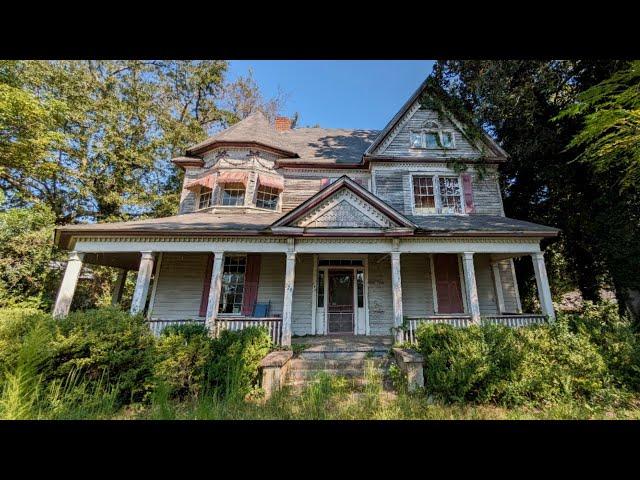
(424, 195)
(232, 284)
(447, 139)
(431, 136)
(204, 200)
(437, 194)
(360, 288)
(340, 263)
(267, 197)
(450, 201)
(321, 289)
(430, 139)
(232, 194)
(416, 139)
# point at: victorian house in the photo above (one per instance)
(317, 231)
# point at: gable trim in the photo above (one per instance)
(343, 182)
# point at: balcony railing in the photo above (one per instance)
(513, 321)
(272, 324)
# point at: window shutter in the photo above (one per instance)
(204, 301)
(468, 193)
(251, 276)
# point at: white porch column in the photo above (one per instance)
(470, 283)
(495, 267)
(214, 290)
(396, 286)
(289, 280)
(542, 282)
(68, 285)
(142, 283)
(118, 287)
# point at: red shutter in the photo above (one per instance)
(251, 276)
(204, 301)
(468, 193)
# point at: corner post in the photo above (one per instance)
(118, 287)
(472, 289)
(396, 285)
(142, 283)
(68, 285)
(542, 282)
(287, 307)
(215, 289)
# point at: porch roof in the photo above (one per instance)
(249, 224)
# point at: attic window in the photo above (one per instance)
(431, 137)
(204, 200)
(232, 195)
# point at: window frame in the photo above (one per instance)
(223, 187)
(437, 194)
(274, 192)
(201, 194)
(222, 286)
(439, 133)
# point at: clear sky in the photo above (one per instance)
(338, 93)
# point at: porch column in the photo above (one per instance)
(118, 287)
(214, 290)
(142, 283)
(470, 283)
(396, 286)
(542, 282)
(495, 267)
(68, 285)
(289, 280)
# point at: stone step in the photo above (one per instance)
(340, 355)
(300, 384)
(299, 374)
(326, 363)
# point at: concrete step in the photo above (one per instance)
(299, 374)
(341, 355)
(326, 363)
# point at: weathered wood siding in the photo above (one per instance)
(301, 308)
(271, 282)
(415, 118)
(300, 187)
(417, 292)
(486, 287)
(380, 295)
(509, 289)
(393, 185)
(180, 283)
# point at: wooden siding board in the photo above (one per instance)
(271, 283)
(302, 291)
(508, 286)
(485, 285)
(417, 293)
(380, 295)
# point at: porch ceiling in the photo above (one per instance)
(125, 260)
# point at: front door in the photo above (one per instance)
(448, 285)
(340, 305)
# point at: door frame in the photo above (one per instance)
(354, 307)
(434, 288)
(324, 329)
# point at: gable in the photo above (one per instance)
(344, 204)
(398, 142)
(345, 210)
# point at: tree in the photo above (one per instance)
(517, 101)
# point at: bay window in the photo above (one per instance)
(232, 194)
(267, 197)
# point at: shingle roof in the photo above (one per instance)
(476, 223)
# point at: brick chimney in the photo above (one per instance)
(283, 124)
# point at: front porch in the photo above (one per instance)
(326, 287)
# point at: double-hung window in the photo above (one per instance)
(204, 200)
(434, 194)
(267, 197)
(232, 194)
(232, 292)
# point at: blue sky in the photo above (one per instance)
(338, 93)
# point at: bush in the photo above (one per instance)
(235, 360)
(614, 336)
(492, 363)
(107, 346)
(183, 356)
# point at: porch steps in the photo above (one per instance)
(338, 357)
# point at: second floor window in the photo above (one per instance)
(437, 194)
(431, 136)
(232, 194)
(267, 197)
(204, 200)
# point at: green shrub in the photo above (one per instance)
(235, 360)
(614, 336)
(107, 346)
(492, 363)
(183, 356)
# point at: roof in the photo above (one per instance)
(328, 145)
(478, 223)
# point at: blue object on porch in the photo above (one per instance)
(262, 309)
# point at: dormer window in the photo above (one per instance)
(431, 136)
(232, 194)
(204, 199)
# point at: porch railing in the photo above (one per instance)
(272, 324)
(513, 321)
